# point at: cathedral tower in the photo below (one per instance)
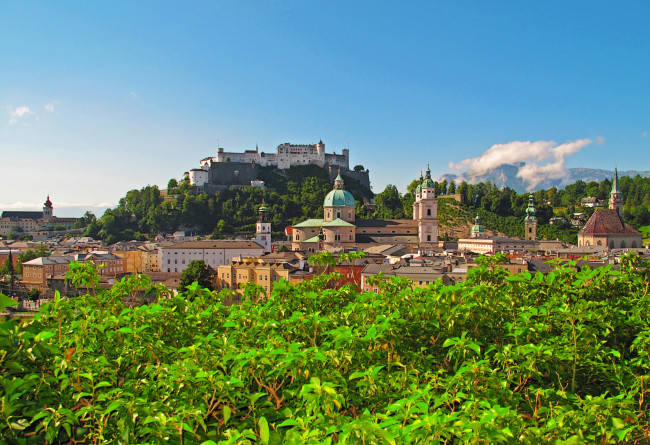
(531, 220)
(425, 209)
(263, 228)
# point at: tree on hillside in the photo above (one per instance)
(197, 271)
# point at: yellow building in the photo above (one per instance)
(239, 272)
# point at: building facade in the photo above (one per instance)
(606, 226)
(339, 228)
(177, 257)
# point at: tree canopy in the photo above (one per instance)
(499, 358)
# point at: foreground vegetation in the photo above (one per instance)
(561, 358)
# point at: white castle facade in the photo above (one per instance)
(286, 156)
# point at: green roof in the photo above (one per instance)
(310, 223)
(338, 222)
(313, 239)
(339, 198)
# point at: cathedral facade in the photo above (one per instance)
(339, 228)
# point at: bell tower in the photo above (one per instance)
(48, 210)
(263, 228)
(531, 220)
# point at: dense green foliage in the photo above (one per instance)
(291, 196)
(197, 271)
(561, 358)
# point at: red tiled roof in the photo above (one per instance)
(607, 222)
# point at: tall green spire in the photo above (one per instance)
(615, 187)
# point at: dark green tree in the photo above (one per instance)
(197, 271)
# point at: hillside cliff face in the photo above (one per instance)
(506, 176)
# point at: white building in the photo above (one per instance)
(286, 155)
(176, 258)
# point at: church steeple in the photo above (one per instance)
(48, 210)
(615, 196)
(531, 219)
(263, 228)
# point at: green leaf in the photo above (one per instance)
(113, 406)
(227, 412)
(356, 375)
(288, 422)
(450, 342)
(618, 423)
(230, 324)
(6, 301)
(264, 429)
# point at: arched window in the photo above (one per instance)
(633, 245)
(611, 244)
(623, 246)
(600, 243)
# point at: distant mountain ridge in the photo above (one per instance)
(505, 175)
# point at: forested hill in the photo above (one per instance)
(300, 193)
(291, 196)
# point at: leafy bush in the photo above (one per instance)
(560, 358)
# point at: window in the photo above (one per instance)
(351, 237)
(428, 212)
(428, 237)
(337, 237)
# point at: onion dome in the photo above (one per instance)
(427, 183)
(48, 203)
(418, 189)
(531, 210)
(477, 228)
(339, 196)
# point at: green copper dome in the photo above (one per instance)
(531, 210)
(477, 227)
(339, 198)
(427, 183)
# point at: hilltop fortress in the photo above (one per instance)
(236, 168)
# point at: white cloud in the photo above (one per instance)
(532, 153)
(644, 134)
(134, 94)
(19, 113)
(50, 108)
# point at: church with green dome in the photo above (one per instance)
(339, 229)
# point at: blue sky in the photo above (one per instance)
(97, 98)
